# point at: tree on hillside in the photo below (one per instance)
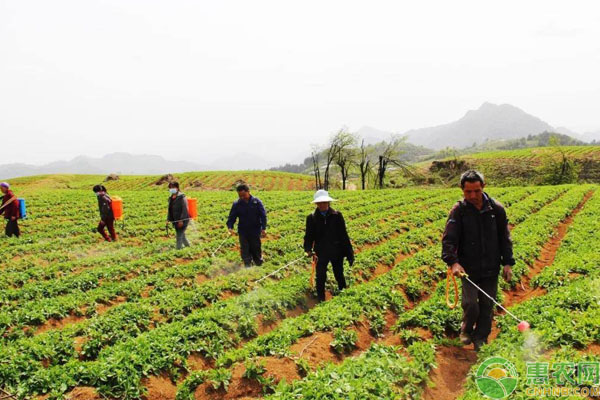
(338, 142)
(346, 154)
(330, 154)
(558, 168)
(316, 167)
(391, 156)
(364, 164)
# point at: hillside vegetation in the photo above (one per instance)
(212, 180)
(516, 167)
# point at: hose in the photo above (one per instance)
(312, 272)
(218, 247)
(450, 276)
(491, 298)
(279, 269)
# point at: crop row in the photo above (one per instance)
(268, 301)
(371, 300)
(87, 287)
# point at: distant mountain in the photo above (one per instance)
(566, 131)
(130, 164)
(591, 136)
(489, 122)
(373, 135)
(240, 161)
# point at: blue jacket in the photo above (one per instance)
(252, 215)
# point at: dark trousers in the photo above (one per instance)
(478, 310)
(251, 250)
(110, 224)
(12, 228)
(180, 239)
(338, 271)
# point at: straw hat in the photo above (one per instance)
(322, 196)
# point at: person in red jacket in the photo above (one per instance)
(10, 209)
(107, 218)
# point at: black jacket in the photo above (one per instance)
(104, 205)
(327, 235)
(178, 209)
(479, 240)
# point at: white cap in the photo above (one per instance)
(322, 196)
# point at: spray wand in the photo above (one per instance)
(523, 325)
(220, 245)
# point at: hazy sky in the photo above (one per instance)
(197, 79)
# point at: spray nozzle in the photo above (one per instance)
(523, 326)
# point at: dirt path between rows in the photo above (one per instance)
(454, 363)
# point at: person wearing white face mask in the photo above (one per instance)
(178, 214)
(107, 217)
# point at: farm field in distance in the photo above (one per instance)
(136, 319)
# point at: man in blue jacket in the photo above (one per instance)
(252, 224)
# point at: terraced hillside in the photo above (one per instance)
(211, 180)
(515, 167)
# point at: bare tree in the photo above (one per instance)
(346, 154)
(337, 142)
(364, 164)
(330, 154)
(391, 156)
(316, 167)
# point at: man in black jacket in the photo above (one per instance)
(326, 235)
(178, 214)
(477, 242)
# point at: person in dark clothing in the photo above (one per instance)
(477, 242)
(252, 225)
(10, 209)
(178, 214)
(327, 238)
(107, 218)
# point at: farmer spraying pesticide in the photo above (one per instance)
(252, 225)
(178, 214)
(10, 209)
(327, 237)
(476, 242)
(107, 217)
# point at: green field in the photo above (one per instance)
(212, 180)
(83, 318)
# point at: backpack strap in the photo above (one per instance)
(461, 208)
(496, 207)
